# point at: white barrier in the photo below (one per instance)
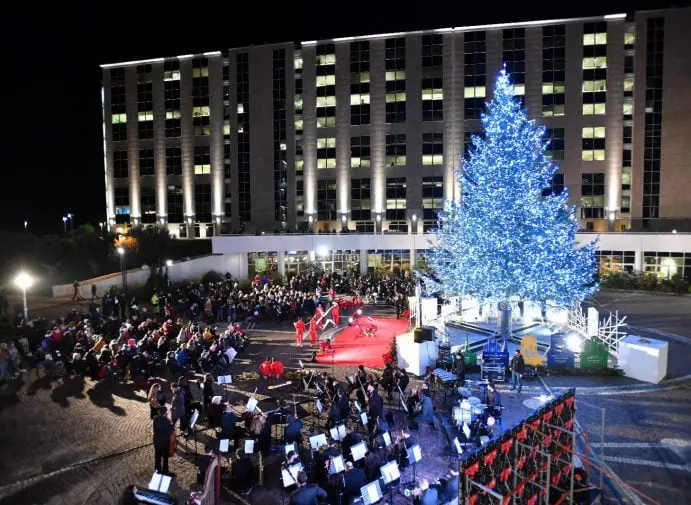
(236, 264)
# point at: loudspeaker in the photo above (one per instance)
(423, 334)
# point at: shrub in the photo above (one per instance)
(647, 282)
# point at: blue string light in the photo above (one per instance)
(506, 240)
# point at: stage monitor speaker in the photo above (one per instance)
(423, 334)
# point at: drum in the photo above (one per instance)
(464, 392)
(474, 400)
(484, 440)
(464, 413)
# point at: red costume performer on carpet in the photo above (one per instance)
(265, 368)
(276, 368)
(335, 315)
(319, 316)
(313, 330)
(299, 331)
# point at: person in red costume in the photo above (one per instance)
(319, 316)
(335, 314)
(299, 331)
(276, 368)
(313, 330)
(265, 368)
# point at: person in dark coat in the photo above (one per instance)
(306, 494)
(517, 368)
(162, 427)
(448, 487)
(354, 479)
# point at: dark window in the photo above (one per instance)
(475, 74)
(652, 150)
(280, 130)
(432, 197)
(360, 199)
(396, 194)
(556, 146)
(122, 204)
(326, 199)
(396, 150)
(202, 202)
(593, 196)
(146, 162)
(120, 169)
(148, 200)
(173, 161)
(243, 136)
(360, 151)
(556, 187)
(175, 204)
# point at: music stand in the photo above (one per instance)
(414, 456)
(223, 380)
(160, 482)
(289, 477)
(358, 451)
(316, 441)
(248, 445)
(338, 432)
(337, 465)
(193, 430)
(371, 493)
(386, 436)
(390, 474)
(290, 447)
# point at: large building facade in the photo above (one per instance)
(365, 132)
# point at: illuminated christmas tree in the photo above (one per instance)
(511, 238)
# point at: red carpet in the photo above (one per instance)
(351, 348)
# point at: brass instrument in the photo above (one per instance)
(416, 491)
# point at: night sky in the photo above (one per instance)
(51, 153)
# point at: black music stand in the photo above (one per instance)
(289, 477)
(390, 474)
(414, 457)
(337, 468)
(193, 430)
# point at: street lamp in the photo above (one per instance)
(123, 272)
(64, 223)
(169, 263)
(24, 282)
(70, 216)
(26, 225)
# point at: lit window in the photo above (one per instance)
(359, 77)
(628, 109)
(171, 75)
(146, 115)
(299, 165)
(593, 108)
(433, 94)
(594, 86)
(226, 128)
(594, 39)
(554, 110)
(326, 59)
(593, 155)
(597, 132)
(326, 142)
(119, 118)
(326, 163)
(326, 122)
(241, 108)
(201, 111)
(172, 114)
(474, 92)
(519, 89)
(629, 38)
(395, 97)
(432, 159)
(359, 99)
(326, 80)
(326, 101)
(628, 84)
(298, 62)
(298, 102)
(395, 75)
(298, 124)
(200, 72)
(590, 63)
(553, 88)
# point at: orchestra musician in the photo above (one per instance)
(400, 446)
(375, 407)
(352, 437)
(293, 431)
(402, 379)
(425, 494)
(343, 405)
(425, 412)
(306, 494)
(387, 381)
(354, 479)
(334, 417)
(448, 487)
(413, 402)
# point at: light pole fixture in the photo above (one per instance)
(24, 282)
(123, 272)
(26, 225)
(169, 263)
(64, 223)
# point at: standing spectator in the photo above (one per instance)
(517, 367)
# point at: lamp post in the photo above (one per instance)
(24, 282)
(123, 272)
(70, 217)
(26, 225)
(64, 223)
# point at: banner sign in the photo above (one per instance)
(559, 355)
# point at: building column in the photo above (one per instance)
(281, 259)
(161, 190)
(216, 150)
(413, 258)
(378, 128)
(133, 144)
(342, 132)
(108, 151)
(363, 262)
(638, 264)
(309, 130)
(187, 145)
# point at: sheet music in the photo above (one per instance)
(252, 404)
(417, 452)
(466, 430)
(387, 438)
(372, 492)
(363, 417)
(193, 419)
(287, 478)
(317, 441)
(223, 445)
(459, 449)
(295, 470)
(319, 406)
(337, 465)
(249, 446)
(290, 447)
(358, 451)
(160, 482)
